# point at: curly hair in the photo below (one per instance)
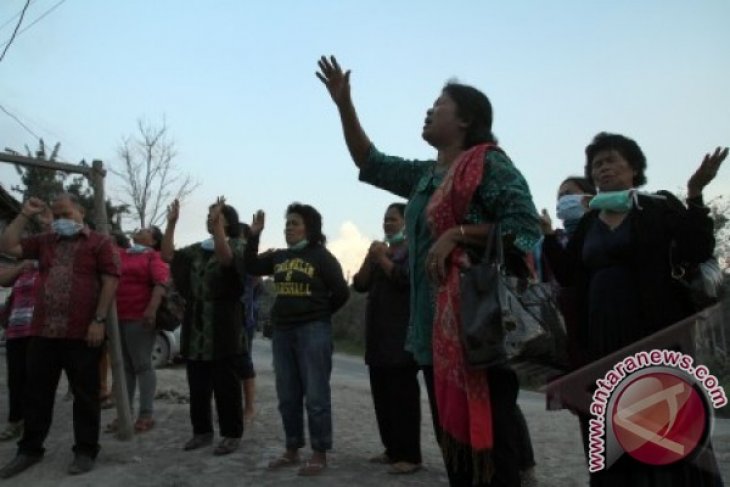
(628, 148)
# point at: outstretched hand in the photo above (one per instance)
(706, 172)
(257, 223)
(173, 212)
(337, 83)
(216, 213)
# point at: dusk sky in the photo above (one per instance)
(235, 83)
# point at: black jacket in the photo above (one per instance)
(656, 224)
(387, 313)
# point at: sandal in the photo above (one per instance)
(284, 461)
(404, 468)
(312, 468)
(144, 424)
(12, 431)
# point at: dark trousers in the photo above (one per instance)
(219, 378)
(15, 357)
(508, 431)
(46, 358)
(397, 401)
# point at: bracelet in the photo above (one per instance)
(461, 229)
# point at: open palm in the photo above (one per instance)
(331, 75)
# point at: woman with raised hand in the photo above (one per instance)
(619, 264)
(210, 276)
(310, 287)
(140, 291)
(453, 202)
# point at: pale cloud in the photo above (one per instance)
(349, 247)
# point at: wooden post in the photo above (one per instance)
(119, 384)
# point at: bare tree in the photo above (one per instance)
(150, 177)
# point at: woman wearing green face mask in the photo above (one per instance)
(618, 263)
(394, 385)
(310, 287)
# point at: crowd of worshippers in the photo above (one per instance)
(609, 264)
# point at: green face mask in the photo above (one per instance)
(395, 239)
(299, 245)
(617, 201)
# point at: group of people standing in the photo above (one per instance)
(611, 262)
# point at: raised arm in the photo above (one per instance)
(167, 247)
(693, 229)
(255, 264)
(338, 86)
(222, 249)
(10, 238)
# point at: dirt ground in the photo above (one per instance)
(155, 458)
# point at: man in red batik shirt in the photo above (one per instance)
(79, 270)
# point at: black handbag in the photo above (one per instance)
(500, 314)
(171, 311)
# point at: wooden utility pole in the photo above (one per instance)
(95, 174)
(119, 382)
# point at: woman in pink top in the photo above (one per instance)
(140, 291)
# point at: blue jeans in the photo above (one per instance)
(303, 364)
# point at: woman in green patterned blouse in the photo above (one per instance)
(471, 171)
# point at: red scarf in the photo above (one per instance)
(462, 394)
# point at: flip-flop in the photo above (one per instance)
(311, 469)
(283, 461)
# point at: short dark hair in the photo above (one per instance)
(628, 148)
(75, 200)
(157, 235)
(120, 238)
(474, 108)
(312, 222)
(233, 227)
(399, 207)
(585, 184)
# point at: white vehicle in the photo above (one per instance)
(167, 347)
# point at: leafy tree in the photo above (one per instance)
(44, 183)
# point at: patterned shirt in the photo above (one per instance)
(213, 310)
(70, 280)
(22, 304)
(502, 195)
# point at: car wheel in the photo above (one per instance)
(161, 351)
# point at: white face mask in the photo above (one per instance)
(137, 249)
(570, 207)
(208, 244)
(66, 227)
